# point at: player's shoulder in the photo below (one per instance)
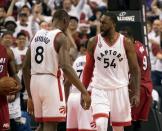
(126, 40)
(92, 43)
(60, 38)
(10, 54)
(128, 44)
(2, 47)
(93, 39)
(138, 45)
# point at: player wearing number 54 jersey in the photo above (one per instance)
(110, 56)
(47, 54)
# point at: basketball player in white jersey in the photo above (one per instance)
(77, 118)
(43, 77)
(109, 57)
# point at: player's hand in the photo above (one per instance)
(11, 98)
(85, 101)
(30, 106)
(134, 100)
(15, 90)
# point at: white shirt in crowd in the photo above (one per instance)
(153, 59)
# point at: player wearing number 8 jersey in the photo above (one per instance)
(42, 75)
(110, 56)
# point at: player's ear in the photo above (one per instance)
(64, 21)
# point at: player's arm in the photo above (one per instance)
(67, 86)
(2, 89)
(26, 78)
(26, 72)
(12, 69)
(134, 69)
(64, 62)
(89, 66)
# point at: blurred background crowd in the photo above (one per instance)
(21, 19)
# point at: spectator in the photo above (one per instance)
(19, 53)
(44, 25)
(7, 39)
(73, 37)
(23, 24)
(26, 10)
(154, 37)
(10, 24)
(18, 122)
(2, 18)
(84, 30)
(38, 13)
(157, 52)
(74, 8)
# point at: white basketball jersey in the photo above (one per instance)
(44, 58)
(78, 66)
(111, 65)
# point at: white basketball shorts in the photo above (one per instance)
(78, 119)
(114, 102)
(48, 98)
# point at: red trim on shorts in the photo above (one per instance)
(51, 119)
(121, 123)
(85, 130)
(59, 85)
(75, 129)
(96, 116)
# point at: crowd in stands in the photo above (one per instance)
(21, 19)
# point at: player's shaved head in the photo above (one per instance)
(61, 19)
(112, 16)
(60, 15)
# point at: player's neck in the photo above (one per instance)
(108, 34)
(110, 37)
(57, 25)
